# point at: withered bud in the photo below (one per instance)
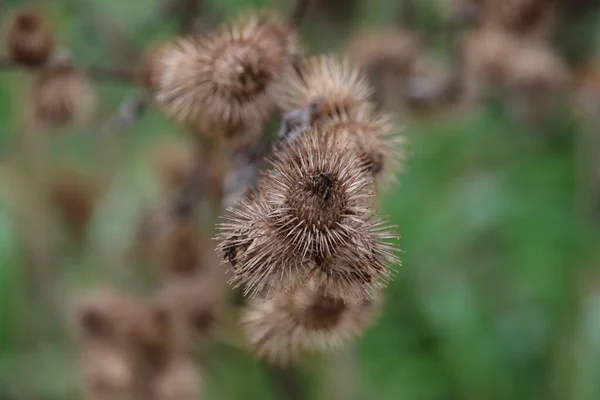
(334, 85)
(30, 41)
(181, 248)
(62, 94)
(312, 217)
(174, 163)
(222, 83)
(306, 319)
(521, 17)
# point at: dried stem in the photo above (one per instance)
(115, 74)
(289, 382)
(299, 13)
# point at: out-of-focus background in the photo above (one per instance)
(498, 206)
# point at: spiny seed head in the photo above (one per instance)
(537, 68)
(62, 94)
(521, 16)
(370, 135)
(334, 85)
(223, 82)
(312, 217)
(306, 319)
(174, 164)
(181, 248)
(107, 373)
(30, 41)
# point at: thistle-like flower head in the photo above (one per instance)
(223, 82)
(30, 41)
(306, 319)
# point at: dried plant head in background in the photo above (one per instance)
(222, 83)
(180, 379)
(521, 17)
(181, 248)
(312, 217)
(333, 85)
(173, 163)
(304, 319)
(30, 40)
(193, 307)
(393, 51)
(75, 196)
(107, 373)
(62, 95)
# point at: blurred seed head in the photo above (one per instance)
(30, 40)
(181, 379)
(307, 318)
(394, 51)
(174, 164)
(107, 373)
(537, 68)
(521, 17)
(312, 217)
(334, 85)
(223, 82)
(62, 94)
(193, 307)
(181, 248)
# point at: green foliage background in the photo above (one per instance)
(498, 296)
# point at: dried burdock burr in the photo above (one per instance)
(173, 163)
(107, 373)
(181, 248)
(521, 17)
(313, 216)
(193, 307)
(305, 319)
(332, 84)
(62, 94)
(30, 40)
(180, 379)
(222, 83)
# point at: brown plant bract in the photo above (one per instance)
(30, 41)
(312, 217)
(180, 379)
(306, 319)
(222, 83)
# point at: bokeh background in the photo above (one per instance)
(498, 296)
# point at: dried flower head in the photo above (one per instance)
(107, 373)
(305, 319)
(521, 16)
(62, 94)
(537, 68)
(181, 379)
(30, 41)
(394, 51)
(370, 135)
(181, 248)
(312, 217)
(223, 82)
(193, 307)
(334, 85)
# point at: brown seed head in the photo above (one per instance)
(223, 82)
(313, 217)
(334, 85)
(181, 379)
(62, 94)
(107, 373)
(30, 41)
(174, 164)
(537, 68)
(522, 17)
(305, 319)
(181, 248)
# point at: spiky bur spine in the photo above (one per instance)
(306, 319)
(313, 217)
(222, 83)
(62, 94)
(332, 95)
(30, 41)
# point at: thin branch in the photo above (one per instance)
(289, 383)
(299, 13)
(114, 74)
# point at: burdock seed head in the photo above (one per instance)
(222, 83)
(30, 41)
(370, 135)
(313, 216)
(62, 94)
(333, 84)
(305, 319)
